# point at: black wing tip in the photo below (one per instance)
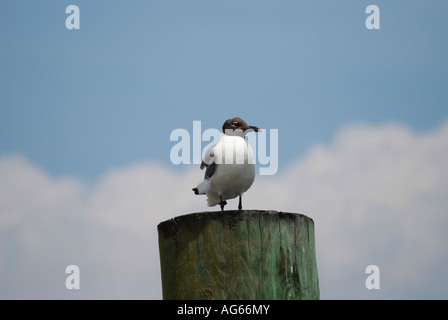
(210, 170)
(196, 191)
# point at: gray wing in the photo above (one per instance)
(209, 163)
(210, 169)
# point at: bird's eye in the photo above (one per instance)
(235, 123)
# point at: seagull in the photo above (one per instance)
(229, 165)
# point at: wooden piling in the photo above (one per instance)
(252, 254)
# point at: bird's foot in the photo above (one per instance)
(222, 204)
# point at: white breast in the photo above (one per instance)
(235, 171)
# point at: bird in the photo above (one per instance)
(229, 165)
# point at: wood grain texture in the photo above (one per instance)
(252, 254)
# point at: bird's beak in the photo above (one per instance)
(256, 129)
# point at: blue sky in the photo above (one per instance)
(86, 117)
(109, 94)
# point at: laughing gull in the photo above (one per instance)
(229, 165)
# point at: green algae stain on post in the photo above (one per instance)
(252, 254)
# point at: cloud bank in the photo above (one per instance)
(378, 195)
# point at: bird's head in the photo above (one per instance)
(238, 127)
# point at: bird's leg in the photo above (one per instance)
(239, 205)
(222, 203)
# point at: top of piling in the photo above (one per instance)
(228, 217)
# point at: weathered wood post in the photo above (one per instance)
(250, 254)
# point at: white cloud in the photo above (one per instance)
(24, 186)
(377, 196)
